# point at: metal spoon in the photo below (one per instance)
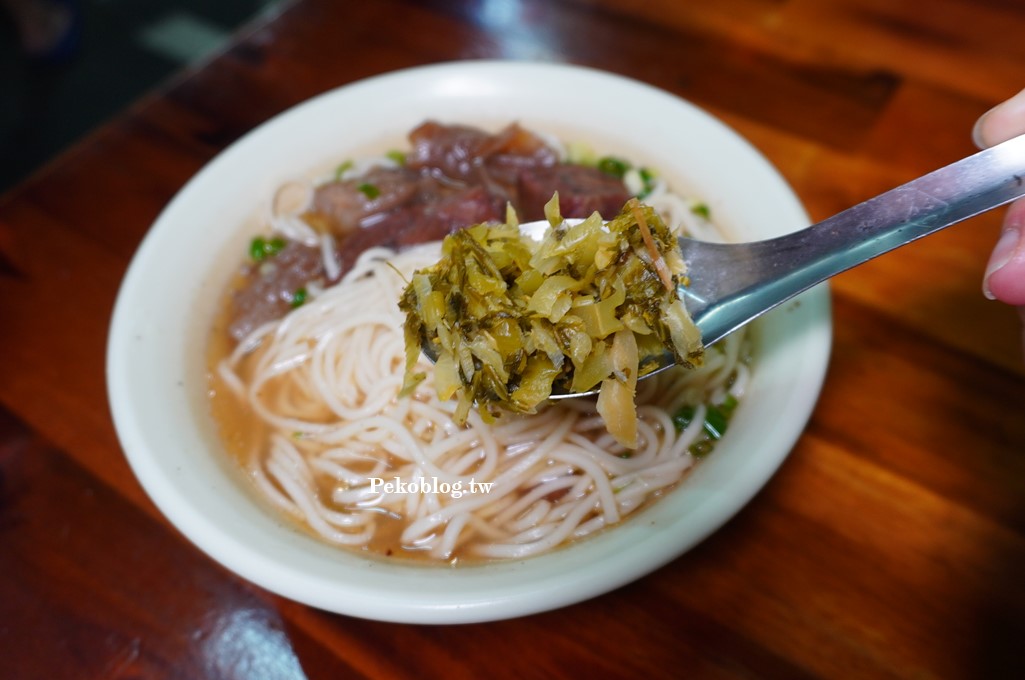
(734, 283)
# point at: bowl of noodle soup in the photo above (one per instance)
(652, 505)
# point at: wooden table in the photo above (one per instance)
(890, 544)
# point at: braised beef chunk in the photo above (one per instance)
(453, 150)
(514, 150)
(582, 191)
(271, 286)
(469, 155)
(449, 213)
(351, 203)
(423, 222)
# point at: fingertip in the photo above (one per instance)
(1004, 279)
(1002, 122)
(977, 132)
(1007, 284)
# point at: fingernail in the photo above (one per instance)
(1002, 252)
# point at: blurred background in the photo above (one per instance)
(68, 65)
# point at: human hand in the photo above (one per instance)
(1004, 279)
(1005, 273)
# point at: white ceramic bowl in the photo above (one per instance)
(156, 368)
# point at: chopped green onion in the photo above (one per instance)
(701, 210)
(369, 190)
(682, 418)
(649, 178)
(256, 249)
(717, 418)
(715, 422)
(260, 248)
(298, 298)
(611, 165)
(397, 156)
(580, 153)
(701, 448)
(343, 168)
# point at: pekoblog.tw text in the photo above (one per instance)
(455, 489)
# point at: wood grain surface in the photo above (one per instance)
(890, 544)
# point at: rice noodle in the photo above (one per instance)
(324, 382)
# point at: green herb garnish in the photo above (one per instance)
(717, 419)
(342, 169)
(298, 298)
(682, 418)
(611, 165)
(261, 248)
(648, 179)
(702, 448)
(701, 210)
(369, 190)
(397, 156)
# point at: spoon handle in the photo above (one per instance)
(772, 271)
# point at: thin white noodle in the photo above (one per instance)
(287, 222)
(551, 540)
(329, 257)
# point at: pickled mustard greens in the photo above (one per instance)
(592, 305)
